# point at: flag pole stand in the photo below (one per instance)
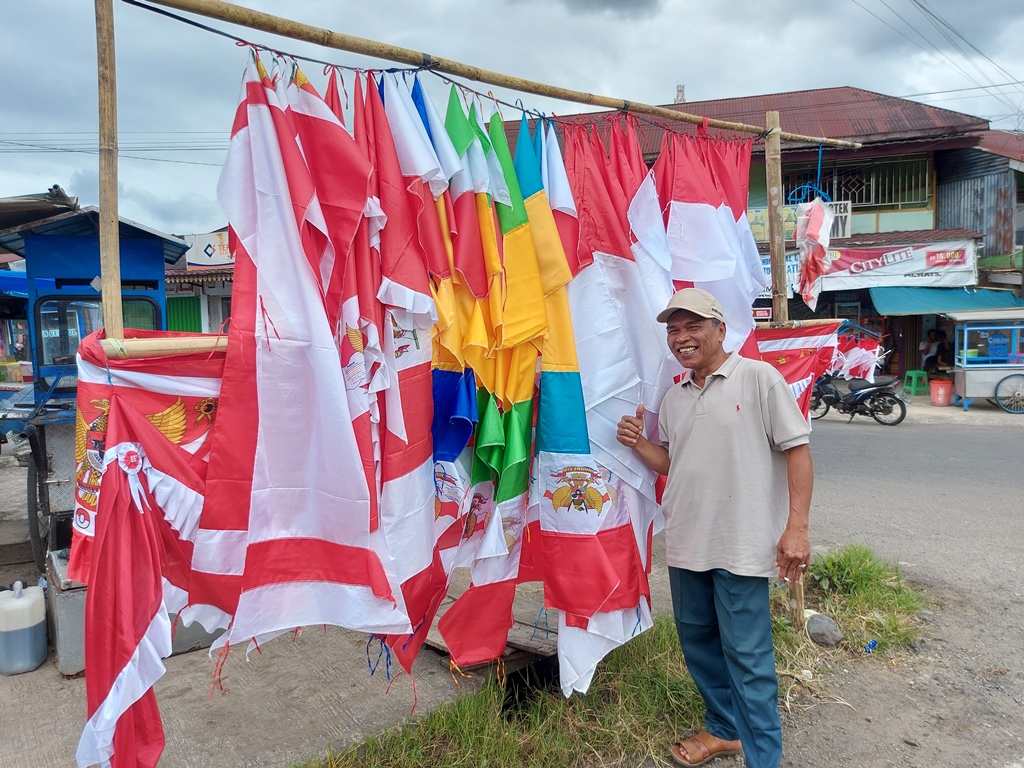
(110, 259)
(780, 301)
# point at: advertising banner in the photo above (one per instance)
(209, 251)
(758, 218)
(933, 265)
(792, 275)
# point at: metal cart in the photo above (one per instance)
(989, 358)
(63, 306)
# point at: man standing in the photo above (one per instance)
(735, 448)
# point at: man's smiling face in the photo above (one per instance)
(695, 341)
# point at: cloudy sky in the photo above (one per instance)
(178, 85)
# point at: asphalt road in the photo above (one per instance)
(945, 501)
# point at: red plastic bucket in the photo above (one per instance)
(941, 392)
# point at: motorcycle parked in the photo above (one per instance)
(879, 400)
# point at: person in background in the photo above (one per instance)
(735, 448)
(928, 348)
(944, 352)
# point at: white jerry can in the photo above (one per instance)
(22, 629)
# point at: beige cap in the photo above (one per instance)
(694, 300)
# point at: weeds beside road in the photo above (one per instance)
(642, 696)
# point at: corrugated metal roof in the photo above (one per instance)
(85, 223)
(22, 209)
(909, 237)
(1003, 143)
(838, 113)
(842, 113)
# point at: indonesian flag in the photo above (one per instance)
(813, 228)
(308, 556)
(801, 355)
(150, 501)
(705, 183)
(178, 395)
(856, 358)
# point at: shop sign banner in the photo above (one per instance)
(758, 218)
(792, 275)
(209, 251)
(932, 265)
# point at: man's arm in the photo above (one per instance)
(793, 554)
(631, 433)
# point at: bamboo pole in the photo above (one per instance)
(800, 323)
(123, 349)
(233, 14)
(776, 224)
(115, 345)
(110, 260)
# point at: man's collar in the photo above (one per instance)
(724, 370)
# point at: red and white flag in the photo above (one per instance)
(801, 355)
(813, 228)
(149, 507)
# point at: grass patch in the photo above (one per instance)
(642, 695)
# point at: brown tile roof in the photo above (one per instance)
(211, 275)
(1003, 143)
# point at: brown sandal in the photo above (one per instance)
(705, 745)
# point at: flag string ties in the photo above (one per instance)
(174, 626)
(537, 622)
(499, 672)
(383, 652)
(256, 645)
(218, 670)
(268, 319)
(633, 633)
(453, 668)
(414, 631)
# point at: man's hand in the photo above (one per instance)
(631, 434)
(631, 428)
(793, 554)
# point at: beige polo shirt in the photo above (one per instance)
(727, 498)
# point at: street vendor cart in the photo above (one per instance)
(989, 358)
(63, 305)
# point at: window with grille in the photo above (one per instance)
(903, 182)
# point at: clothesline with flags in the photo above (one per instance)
(432, 340)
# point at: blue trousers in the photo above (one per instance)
(725, 630)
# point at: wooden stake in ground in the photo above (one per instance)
(110, 258)
(796, 603)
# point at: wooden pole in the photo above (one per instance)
(776, 224)
(110, 261)
(233, 14)
(796, 604)
(155, 347)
